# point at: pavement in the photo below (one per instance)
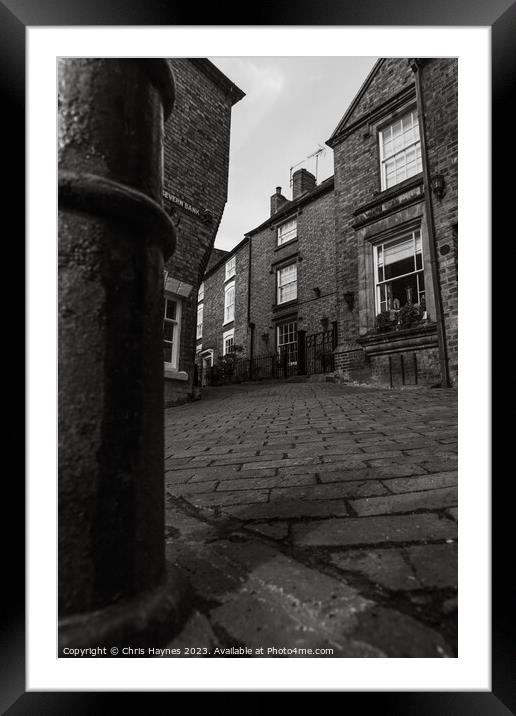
(315, 519)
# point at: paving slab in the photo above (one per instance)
(387, 567)
(375, 530)
(426, 482)
(337, 490)
(315, 516)
(406, 502)
(435, 564)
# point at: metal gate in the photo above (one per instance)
(319, 349)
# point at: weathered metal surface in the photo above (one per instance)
(113, 234)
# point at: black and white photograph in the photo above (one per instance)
(258, 357)
(258, 360)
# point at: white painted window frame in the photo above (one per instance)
(225, 336)
(173, 365)
(230, 268)
(383, 244)
(278, 287)
(227, 289)
(278, 331)
(281, 240)
(200, 293)
(200, 310)
(383, 158)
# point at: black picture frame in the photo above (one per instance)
(15, 16)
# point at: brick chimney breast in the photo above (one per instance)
(277, 201)
(303, 181)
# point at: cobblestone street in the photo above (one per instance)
(316, 516)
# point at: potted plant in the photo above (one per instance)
(410, 314)
(385, 321)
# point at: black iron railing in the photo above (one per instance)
(319, 348)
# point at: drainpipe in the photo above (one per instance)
(113, 238)
(250, 324)
(417, 67)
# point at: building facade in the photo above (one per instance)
(196, 161)
(395, 154)
(278, 281)
(369, 254)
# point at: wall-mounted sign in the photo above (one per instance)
(202, 214)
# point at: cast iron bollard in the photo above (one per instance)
(113, 239)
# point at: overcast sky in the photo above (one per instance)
(291, 107)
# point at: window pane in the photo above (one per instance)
(230, 296)
(396, 129)
(401, 150)
(287, 231)
(404, 290)
(230, 267)
(287, 283)
(167, 352)
(287, 333)
(421, 287)
(287, 274)
(171, 307)
(168, 331)
(399, 258)
(288, 293)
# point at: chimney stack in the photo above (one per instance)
(302, 182)
(277, 201)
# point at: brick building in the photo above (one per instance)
(280, 279)
(395, 154)
(196, 159)
(369, 255)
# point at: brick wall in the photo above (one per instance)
(439, 80)
(358, 189)
(314, 252)
(213, 302)
(196, 158)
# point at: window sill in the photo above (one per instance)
(287, 243)
(172, 374)
(416, 337)
(230, 278)
(393, 191)
(226, 323)
(285, 304)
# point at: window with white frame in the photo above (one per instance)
(200, 312)
(229, 302)
(228, 341)
(399, 272)
(287, 231)
(171, 330)
(286, 340)
(287, 283)
(230, 268)
(400, 150)
(200, 294)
